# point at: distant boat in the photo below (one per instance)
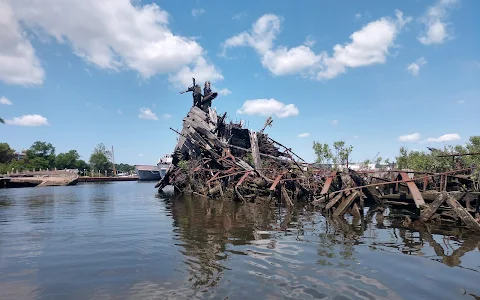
(145, 172)
(164, 163)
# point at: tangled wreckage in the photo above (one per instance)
(223, 160)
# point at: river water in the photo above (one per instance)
(123, 241)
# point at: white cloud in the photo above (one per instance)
(110, 34)
(356, 136)
(5, 101)
(147, 114)
(18, 61)
(414, 67)
(166, 116)
(267, 107)
(461, 101)
(28, 120)
(334, 122)
(370, 45)
(409, 137)
(88, 72)
(224, 92)
(140, 154)
(197, 12)
(358, 16)
(202, 71)
(238, 16)
(119, 111)
(436, 29)
(449, 137)
(304, 135)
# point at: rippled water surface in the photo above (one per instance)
(122, 241)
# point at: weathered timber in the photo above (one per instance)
(257, 162)
(334, 201)
(345, 204)
(369, 191)
(464, 215)
(431, 208)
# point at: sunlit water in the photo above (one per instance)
(122, 241)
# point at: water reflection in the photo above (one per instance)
(122, 241)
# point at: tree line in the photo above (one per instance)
(41, 155)
(433, 160)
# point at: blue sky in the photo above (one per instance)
(377, 74)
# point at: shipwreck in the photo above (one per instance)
(217, 159)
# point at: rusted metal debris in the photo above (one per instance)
(223, 160)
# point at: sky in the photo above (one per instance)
(376, 74)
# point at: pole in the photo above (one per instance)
(113, 160)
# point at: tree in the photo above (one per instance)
(67, 160)
(341, 152)
(99, 159)
(323, 153)
(378, 161)
(41, 155)
(2, 121)
(7, 154)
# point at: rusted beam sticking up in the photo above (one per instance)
(328, 183)
(417, 196)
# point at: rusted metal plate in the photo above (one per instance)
(328, 183)
(417, 196)
(277, 180)
(242, 179)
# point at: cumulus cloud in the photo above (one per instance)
(436, 29)
(267, 107)
(304, 135)
(414, 137)
(370, 45)
(5, 101)
(111, 34)
(28, 120)
(147, 114)
(201, 71)
(449, 137)
(224, 92)
(197, 12)
(18, 62)
(414, 68)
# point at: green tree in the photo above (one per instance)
(41, 155)
(323, 153)
(2, 121)
(342, 152)
(67, 160)
(7, 154)
(100, 158)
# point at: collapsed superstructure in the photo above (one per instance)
(218, 159)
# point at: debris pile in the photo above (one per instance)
(218, 159)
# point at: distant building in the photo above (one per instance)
(20, 155)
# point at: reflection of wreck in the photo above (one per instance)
(218, 159)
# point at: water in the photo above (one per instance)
(122, 241)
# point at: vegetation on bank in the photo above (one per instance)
(41, 155)
(424, 161)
